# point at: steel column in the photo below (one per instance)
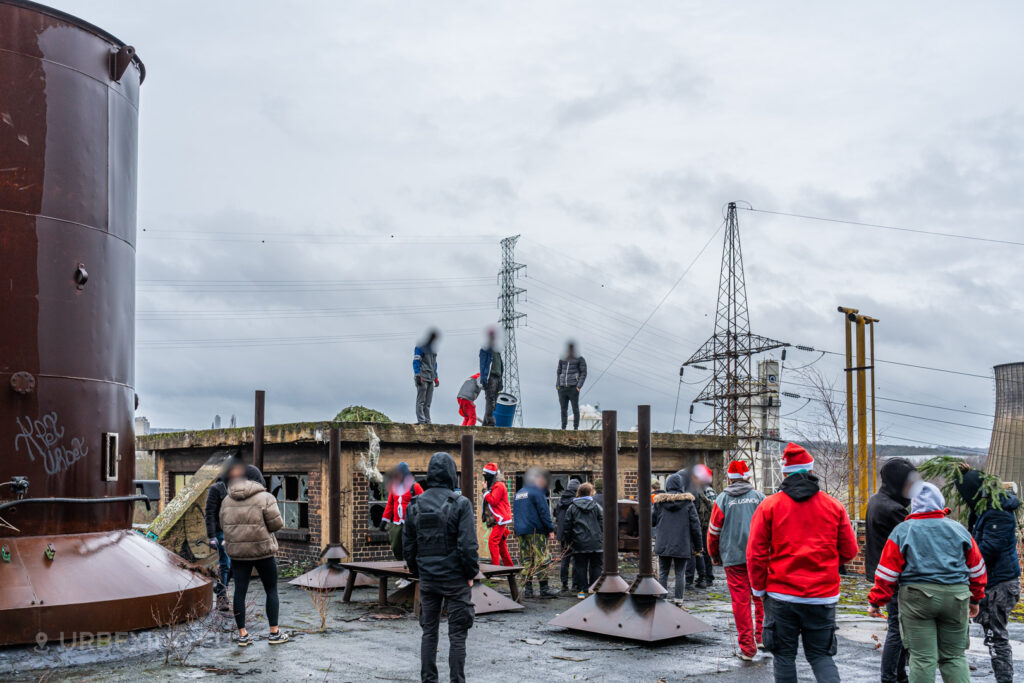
(645, 583)
(257, 430)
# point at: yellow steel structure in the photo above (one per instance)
(860, 464)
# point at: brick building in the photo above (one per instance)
(295, 466)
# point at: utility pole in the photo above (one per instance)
(860, 467)
(732, 388)
(510, 294)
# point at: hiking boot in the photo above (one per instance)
(528, 590)
(547, 591)
(278, 638)
(246, 640)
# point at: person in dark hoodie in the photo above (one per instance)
(886, 509)
(676, 531)
(798, 538)
(441, 549)
(564, 501)
(995, 532)
(584, 525)
(696, 479)
(214, 499)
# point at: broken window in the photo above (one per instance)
(292, 493)
(179, 482)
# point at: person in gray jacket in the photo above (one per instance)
(424, 369)
(569, 379)
(727, 545)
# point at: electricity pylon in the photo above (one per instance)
(510, 295)
(731, 388)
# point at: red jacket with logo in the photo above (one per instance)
(497, 502)
(798, 539)
(394, 511)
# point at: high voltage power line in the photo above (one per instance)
(931, 233)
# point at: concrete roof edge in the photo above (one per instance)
(355, 432)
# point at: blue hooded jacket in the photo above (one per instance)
(530, 512)
(996, 535)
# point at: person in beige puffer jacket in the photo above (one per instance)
(249, 516)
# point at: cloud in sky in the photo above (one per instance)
(610, 137)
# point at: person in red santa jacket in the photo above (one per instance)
(401, 488)
(497, 514)
(798, 538)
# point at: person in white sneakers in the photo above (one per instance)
(727, 545)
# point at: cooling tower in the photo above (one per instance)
(1006, 450)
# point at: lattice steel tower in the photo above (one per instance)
(510, 294)
(732, 386)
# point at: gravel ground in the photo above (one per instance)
(363, 642)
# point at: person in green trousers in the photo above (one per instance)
(940, 573)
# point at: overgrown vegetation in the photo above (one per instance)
(361, 414)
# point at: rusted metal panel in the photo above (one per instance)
(68, 140)
(101, 582)
(66, 208)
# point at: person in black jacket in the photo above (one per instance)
(214, 497)
(677, 531)
(440, 545)
(584, 526)
(886, 509)
(564, 501)
(995, 531)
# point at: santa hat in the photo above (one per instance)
(491, 468)
(796, 459)
(703, 473)
(738, 469)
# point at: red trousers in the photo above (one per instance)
(467, 409)
(748, 634)
(499, 546)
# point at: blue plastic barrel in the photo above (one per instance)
(505, 410)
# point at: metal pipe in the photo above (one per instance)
(851, 479)
(257, 431)
(643, 486)
(334, 481)
(645, 583)
(862, 423)
(874, 447)
(84, 501)
(466, 478)
(610, 581)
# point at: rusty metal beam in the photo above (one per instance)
(645, 583)
(257, 432)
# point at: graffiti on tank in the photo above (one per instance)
(43, 439)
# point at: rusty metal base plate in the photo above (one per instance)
(326, 577)
(103, 582)
(631, 617)
(487, 600)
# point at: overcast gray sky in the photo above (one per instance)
(385, 148)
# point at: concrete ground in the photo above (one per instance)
(362, 642)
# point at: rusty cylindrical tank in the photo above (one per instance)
(69, 96)
(1006, 449)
